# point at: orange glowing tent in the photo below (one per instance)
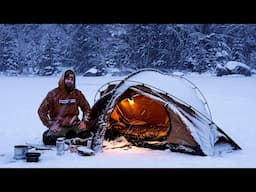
(156, 110)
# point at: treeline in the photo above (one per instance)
(43, 49)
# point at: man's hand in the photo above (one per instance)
(82, 125)
(55, 127)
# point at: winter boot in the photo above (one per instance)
(49, 139)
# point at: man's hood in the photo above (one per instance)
(61, 82)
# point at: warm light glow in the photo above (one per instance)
(131, 101)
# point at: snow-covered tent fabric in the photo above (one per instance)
(150, 114)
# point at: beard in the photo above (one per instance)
(69, 87)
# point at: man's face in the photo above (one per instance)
(69, 82)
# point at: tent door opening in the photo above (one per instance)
(140, 117)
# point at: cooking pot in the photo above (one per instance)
(20, 151)
(32, 156)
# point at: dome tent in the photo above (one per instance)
(156, 110)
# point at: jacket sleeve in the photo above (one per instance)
(43, 111)
(85, 107)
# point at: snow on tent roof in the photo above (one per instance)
(178, 87)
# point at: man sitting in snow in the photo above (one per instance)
(59, 111)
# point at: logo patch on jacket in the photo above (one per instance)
(67, 101)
